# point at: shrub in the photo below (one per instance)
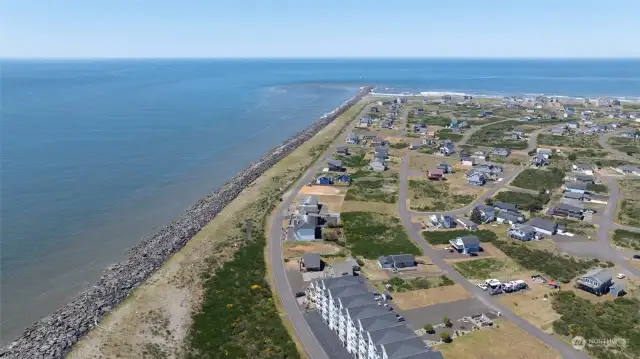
(539, 179)
(429, 328)
(371, 235)
(445, 337)
(443, 237)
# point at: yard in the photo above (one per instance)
(426, 297)
(626, 239)
(504, 340)
(539, 179)
(571, 141)
(479, 268)
(494, 136)
(628, 212)
(428, 196)
(443, 237)
(381, 188)
(525, 201)
(629, 187)
(372, 235)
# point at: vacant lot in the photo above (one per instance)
(619, 318)
(539, 179)
(431, 120)
(399, 285)
(425, 163)
(443, 237)
(572, 141)
(355, 160)
(626, 145)
(428, 196)
(297, 249)
(494, 136)
(556, 266)
(479, 268)
(373, 189)
(447, 134)
(626, 239)
(505, 340)
(372, 235)
(630, 188)
(362, 206)
(597, 188)
(628, 212)
(525, 201)
(425, 297)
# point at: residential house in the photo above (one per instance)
(435, 174)
(487, 213)
(573, 125)
(579, 177)
(480, 155)
(583, 168)
(467, 224)
(334, 165)
(477, 179)
(381, 152)
(467, 161)
(305, 227)
(342, 179)
(466, 244)
(368, 135)
(342, 150)
(447, 149)
(569, 112)
(577, 187)
(558, 131)
(397, 261)
(366, 121)
(324, 180)
(569, 210)
(377, 142)
(630, 134)
(509, 217)
(506, 207)
(352, 139)
(311, 262)
(377, 165)
(543, 226)
(523, 233)
(576, 196)
(596, 281)
(544, 152)
(501, 152)
(518, 133)
(445, 167)
(416, 145)
(617, 289)
(628, 170)
(442, 221)
(538, 160)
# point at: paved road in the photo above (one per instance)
(533, 139)
(602, 140)
(402, 195)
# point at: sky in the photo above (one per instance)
(319, 28)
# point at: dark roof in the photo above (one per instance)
(576, 185)
(507, 206)
(429, 354)
(311, 260)
(570, 208)
(379, 321)
(391, 334)
(405, 348)
(336, 163)
(573, 195)
(372, 310)
(385, 260)
(339, 282)
(403, 258)
(357, 300)
(468, 240)
(526, 229)
(513, 217)
(542, 224)
(485, 209)
(599, 274)
(348, 291)
(342, 147)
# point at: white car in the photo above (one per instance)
(482, 286)
(620, 276)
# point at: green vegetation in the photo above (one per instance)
(446, 134)
(628, 213)
(626, 239)
(626, 145)
(525, 201)
(479, 268)
(435, 196)
(399, 145)
(248, 328)
(494, 136)
(445, 337)
(432, 120)
(443, 237)
(609, 320)
(539, 179)
(372, 235)
(429, 328)
(597, 188)
(573, 141)
(557, 266)
(629, 187)
(373, 189)
(402, 285)
(353, 161)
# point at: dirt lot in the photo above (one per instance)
(453, 193)
(297, 249)
(425, 297)
(505, 340)
(378, 207)
(490, 251)
(424, 162)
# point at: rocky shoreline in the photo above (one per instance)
(53, 336)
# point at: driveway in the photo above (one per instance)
(433, 314)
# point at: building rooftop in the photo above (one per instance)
(379, 321)
(391, 334)
(469, 240)
(576, 185)
(542, 224)
(506, 206)
(348, 291)
(600, 274)
(311, 260)
(338, 282)
(405, 348)
(356, 300)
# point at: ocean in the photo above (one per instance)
(97, 154)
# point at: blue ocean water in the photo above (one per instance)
(97, 154)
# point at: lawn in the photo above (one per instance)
(446, 134)
(353, 161)
(626, 239)
(494, 136)
(479, 268)
(503, 341)
(525, 201)
(380, 188)
(539, 179)
(616, 319)
(572, 141)
(372, 235)
(427, 196)
(628, 212)
(629, 187)
(559, 267)
(443, 237)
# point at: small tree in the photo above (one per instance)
(488, 201)
(447, 322)
(476, 216)
(573, 157)
(429, 328)
(445, 337)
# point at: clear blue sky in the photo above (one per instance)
(319, 28)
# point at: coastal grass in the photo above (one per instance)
(629, 187)
(537, 180)
(353, 161)
(381, 188)
(629, 146)
(571, 141)
(597, 188)
(447, 134)
(628, 212)
(479, 268)
(431, 120)
(626, 239)
(406, 285)
(443, 237)
(525, 201)
(371, 235)
(427, 196)
(494, 136)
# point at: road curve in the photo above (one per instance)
(602, 140)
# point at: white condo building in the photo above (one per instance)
(367, 329)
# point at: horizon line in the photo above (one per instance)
(343, 58)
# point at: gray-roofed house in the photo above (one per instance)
(523, 233)
(352, 139)
(501, 152)
(506, 207)
(543, 226)
(477, 179)
(311, 262)
(617, 289)
(579, 177)
(467, 224)
(390, 335)
(509, 217)
(342, 149)
(538, 160)
(376, 322)
(377, 165)
(577, 187)
(404, 348)
(576, 196)
(397, 261)
(558, 131)
(627, 169)
(305, 227)
(380, 152)
(334, 165)
(466, 244)
(583, 168)
(596, 281)
(447, 149)
(445, 167)
(487, 213)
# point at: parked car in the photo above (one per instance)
(401, 319)
(620, 275)
(636, 256)
(482, 286)
(300, 294)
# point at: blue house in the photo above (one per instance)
(477, 179)
(466, 244)
(575, 187)
(324, 180)
(397, 261)
(343, 179)
(596, 281)
(617, 289)
(523, 233)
